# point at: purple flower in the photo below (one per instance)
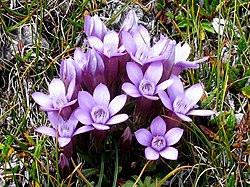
(181, 55)
(145, 85)
(158, 141)
(93, 26)
(66, 128)
(98, 111)
(130, 22)
(181, 102)
(57, 99)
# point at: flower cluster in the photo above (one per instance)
(98, 86)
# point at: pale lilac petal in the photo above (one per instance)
(150, 97)
(100, 126)
(159, 46)
(175, 89)
(54, 118)
(173, 136)
(85, 100)
(42, 99)
(70, 103)
(201, 112)
(46, 131)
(154, 72)
(130, 22)
(144, 137)
(117, 119)
(101, 95)
(164, 85)
(158, 127)
(83, 116)
(193, 94)
(96, 43)
(80, 58)
(169, 153)
(57, 88)
(183, 117)
(62, 141)
(201, 60)
(182, 52)
(141, 36)
(116, 104)
(71, 89)
(131, 90)
(128, 42)
(165, 100)
(134, 73)
(186, 64)
(110, 42)
(88, 25)
(83, 130)
(151, 154)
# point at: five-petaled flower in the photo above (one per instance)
(158, 141)
(183, 103)
(145, 85)
(66, 128)
(98, 111)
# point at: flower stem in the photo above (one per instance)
(143, 169)
(116, 165)
(101, 170)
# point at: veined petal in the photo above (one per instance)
(165, 100)
(128, 42)
(85, 100)
(182, 52)
(54, 118)
(183, 117)
(101, 95)
(110, 42)
(175, 89)
(117, 119)
(154, 72)
(83, 116)
(42, 99)
(83, 129)
(201, 112)
(131, 90)
(158, 127)
(144, 137)
(57, 88)
(96, 43)
(62, 141)
(100, 126)
(80, 58)
(164, 85)
(88, 25)
(141, 36)
(193, 94)
(47, 131)
(173, 136)
(151, 154)
(169, 153)
(134, 73)
(116, 104)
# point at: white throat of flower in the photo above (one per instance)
(147, 87)
(100, 114)
(158, 143)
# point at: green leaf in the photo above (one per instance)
(246, 91)
(207, 26)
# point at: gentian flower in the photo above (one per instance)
(158, 141)
(183, 103)
(181, 55)
(66, 128)
(98, 111)
(58, 97)
(130, 22)
(93, 26)
(145, 85)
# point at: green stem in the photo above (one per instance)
(143, 169)
(116, 165)
(101, 170)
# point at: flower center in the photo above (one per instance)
(66, 130)
(59, 102)
(100, 114)
(181, 104)
(146, 87)
(158, 143)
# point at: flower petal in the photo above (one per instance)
(158, 127)
(83, 129)
(173, 136)
(175, 89)
(83, 116)
(134, 73)
(144, 137)
(42, 99)
(193, 94)
(117, 119)
(165, 100)
(62, 141)
(96, 43)
(128, 42)
(201, 112)
(154, 72)
(141, 36)
(116, 104)
(150, 97)
(85, 100)
(164, 85)
(131, 90)
(100, 126)
(101, 95)
(151, 154)
(54, 118)
(183, 117)
(110, 42)
(47, 131)
(169, 153)
(182, 52)
(57, 88)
